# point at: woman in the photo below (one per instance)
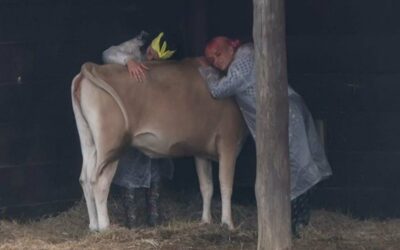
(308, 163)
(136, 170)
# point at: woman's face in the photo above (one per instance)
(220, 55)
(151, 54)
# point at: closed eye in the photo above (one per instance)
(210, 60)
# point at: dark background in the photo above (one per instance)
(342, 58)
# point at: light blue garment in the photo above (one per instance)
(308, 163)
(122, 53)
(135, 169)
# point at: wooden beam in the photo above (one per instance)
(273, 176)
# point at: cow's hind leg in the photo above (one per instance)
(87, 189)
(107, 141)
(204, 173)
(88, 152)
(101, 190)
(106, 124)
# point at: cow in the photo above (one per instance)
(170, 114)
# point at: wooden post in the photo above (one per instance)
(273, 176)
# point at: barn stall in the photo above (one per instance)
(341, 59)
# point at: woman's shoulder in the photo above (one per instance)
(245, 50)
(245, 53)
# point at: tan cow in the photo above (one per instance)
(171, 114)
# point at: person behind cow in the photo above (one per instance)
(136, 170)
(307, 160)
(144, 47)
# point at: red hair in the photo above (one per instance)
(222, 40)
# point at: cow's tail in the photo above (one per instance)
(93, 77)
(89, 152)
(114, 154)
(89, 71)
(85, 134)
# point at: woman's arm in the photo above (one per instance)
(129, 54)
(124, 52)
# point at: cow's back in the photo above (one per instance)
(173, 110)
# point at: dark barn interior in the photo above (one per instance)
(342, 58)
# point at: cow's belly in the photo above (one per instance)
(158, 145)
(152, 144)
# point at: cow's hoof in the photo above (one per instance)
(103, 228)
(228, 225)
(205, 222)
(93, 228)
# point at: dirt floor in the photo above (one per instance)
(181, 230)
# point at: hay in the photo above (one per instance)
(328, 230)
(181, 230)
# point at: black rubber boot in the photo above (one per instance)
(301, 213)
(153, 195)
(130, 207)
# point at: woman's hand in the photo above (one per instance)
(137, 70)
(209, 73)
(203, 62)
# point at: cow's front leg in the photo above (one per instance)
(226, 174)
(204, 173)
